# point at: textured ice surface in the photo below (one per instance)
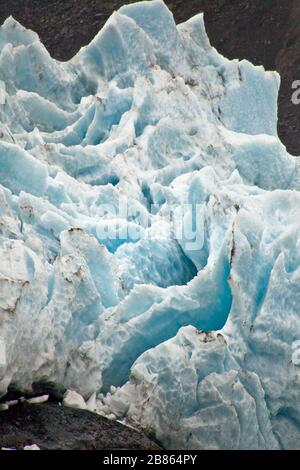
(190, 338)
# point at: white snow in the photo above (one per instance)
(74, 400)
(32, 447)
(38, 400)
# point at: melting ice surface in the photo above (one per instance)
(194, 345)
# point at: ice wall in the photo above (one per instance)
(190, 338)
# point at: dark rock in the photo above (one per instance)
(54, 427)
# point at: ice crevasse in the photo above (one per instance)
(191, 340)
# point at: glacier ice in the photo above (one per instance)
(188, 334)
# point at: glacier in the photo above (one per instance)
(150, 233)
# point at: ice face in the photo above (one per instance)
(149, 233)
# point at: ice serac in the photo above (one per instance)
(191, 338)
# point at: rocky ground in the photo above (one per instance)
(54, 427)
(266, 32)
